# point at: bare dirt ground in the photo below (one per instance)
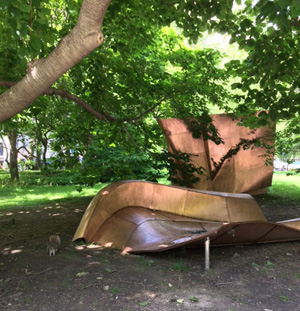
(255, 277)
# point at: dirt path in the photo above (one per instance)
(261, 277)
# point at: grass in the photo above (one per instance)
(38, 195)
(37, 178)
(284, 298)
(285, 188)
(180, 266)
(143, 263)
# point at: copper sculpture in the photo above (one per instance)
(136, 216)
(246, 172)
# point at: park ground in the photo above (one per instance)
(86, 277)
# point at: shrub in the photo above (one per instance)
(112, 164)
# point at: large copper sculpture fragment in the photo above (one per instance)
(136, 216)
(245, 172)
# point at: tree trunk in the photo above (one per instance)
(42, 73)
(13, 163)
(37, 165)
(45, 148)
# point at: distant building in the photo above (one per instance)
(4, 153)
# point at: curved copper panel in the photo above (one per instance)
(137, 216)
(245, 172)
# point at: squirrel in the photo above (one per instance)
(53, 245)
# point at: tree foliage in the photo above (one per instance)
(288, 141)
(269, 78)
(150, 67)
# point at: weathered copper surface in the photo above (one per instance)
(245, 172)
(136, 216)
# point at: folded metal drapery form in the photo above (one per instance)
(136, 216)
(245, 172)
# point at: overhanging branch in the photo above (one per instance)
(99, 115)
(81, 41)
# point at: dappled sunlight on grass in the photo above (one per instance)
(36, 195)
(282, 177)
(285, 187)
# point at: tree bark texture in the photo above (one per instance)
(13, 162)
(42, 73)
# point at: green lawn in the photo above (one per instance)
(37, 195)
(285, 188)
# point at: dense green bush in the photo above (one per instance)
(112, 164)
(181, 171)
(26, 165)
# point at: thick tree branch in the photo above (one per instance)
(42, 73)
(82, 103)
(99, 115)
(29, 153)
(138, 118)
(130, 137)
(65, 94)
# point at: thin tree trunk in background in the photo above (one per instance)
(38, 163)
(45, 148)
(13, 163)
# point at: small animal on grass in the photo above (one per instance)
(53, 245)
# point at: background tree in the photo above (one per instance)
(288, 141)
(132, 76)
(269, 77)
(13, 129)
(268, 30)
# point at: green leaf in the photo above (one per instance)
(270, 30)
(23, 30)
(22, 51)
(283, 3)
(46, 11)
(36, 3)
(36, 43)
(296, 9)
(143, 304)
(194, 299)
(25, 8)
(246, 23)
(3, 3)
(269, 264)
(42, 17)
(236, 86)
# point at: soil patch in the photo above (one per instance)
(86, 277)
